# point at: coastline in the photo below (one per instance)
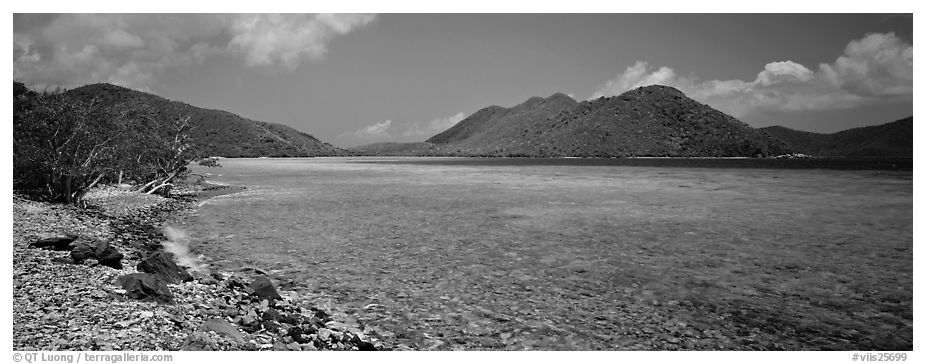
(60, 305)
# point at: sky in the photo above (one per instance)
(353, 79)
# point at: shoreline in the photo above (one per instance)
(900, 164)
(60, 305)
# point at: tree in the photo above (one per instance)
(172, 151)
(63, 146)
(60, 145)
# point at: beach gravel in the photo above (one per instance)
(60, 305)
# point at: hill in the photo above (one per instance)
(492, 124)
(494, 129)
(397, 149)
(894, 139)
(648, 121)
(217, 132)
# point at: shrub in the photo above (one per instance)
(62, 146)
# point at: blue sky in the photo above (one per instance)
(353, 79)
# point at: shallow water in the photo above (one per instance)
(524, 256)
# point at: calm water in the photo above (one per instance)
(457, 253)
(898, 164)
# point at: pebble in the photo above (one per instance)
(324, 334)
(77, 307)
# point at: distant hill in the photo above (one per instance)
(496, 125)
(648, 121)
(397, 149)
(894, 139)
(218, 133)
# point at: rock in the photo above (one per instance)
(324, 334)
(263, 288)
(199, 341)
(252, 328)
(223, 328)
(125, 323)
(361, 344)
(308, 346)
(234, 282)
(270, 326)
(249, 318)
(297, 334)
(91, 262)
(206, 279)
(294, 319)
(272, 315)
(280, 347)
(62, 242)
(105, 254)
(62, 260)
(253, 269)
(162, 264)
(320, 314)
(294, 347)
(145, 287)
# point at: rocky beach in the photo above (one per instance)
(104, 276)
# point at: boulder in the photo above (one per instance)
(298, 335)
(161, 263)
(105, 254)
(293, 347)
(263, 288)
(361, 344)
(146, 287)
(204, 278)
(272, 315)
(223, 328)
(62, 242)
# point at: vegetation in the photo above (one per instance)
(214, 132)
(894, 139)
(652, 121)
(65, 145)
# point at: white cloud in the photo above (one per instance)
(635, 76)
(430, 128)
(288, 39)
(383, 131)
(876, 68)
(876, 65)
(134, 49)
(781, 72)
(377, 130)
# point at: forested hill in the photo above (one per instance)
(215, 132)
(894, 139)
(649, 121)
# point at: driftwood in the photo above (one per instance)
(145, 187)
(153, 190)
